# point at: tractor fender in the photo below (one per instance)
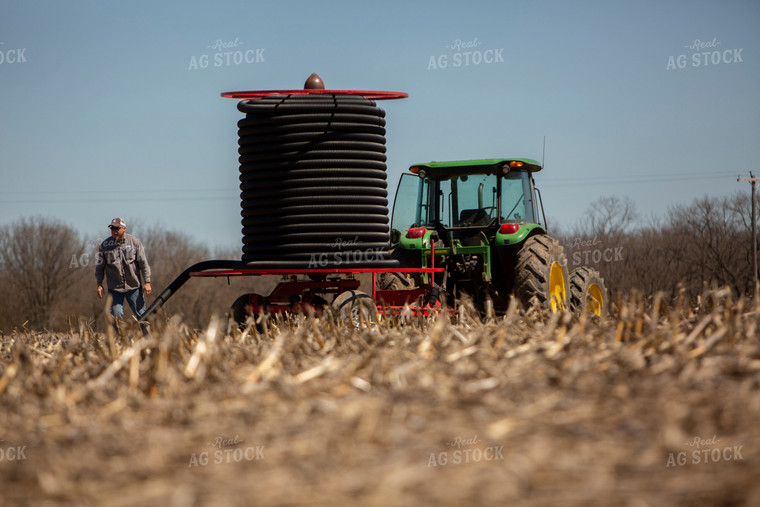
(416, 243)
(523, 232)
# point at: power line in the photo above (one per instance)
(112, 199)
(130, 195)
(633, 179)
(581, 183)
(161, 194)
(110, 190)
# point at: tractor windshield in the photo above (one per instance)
(474, 200)
(467, 200)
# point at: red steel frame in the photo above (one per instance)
(370, 94)
(388, 301)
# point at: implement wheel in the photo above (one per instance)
(247, 305)
(587, 292)
(354, 307)
(541, 274)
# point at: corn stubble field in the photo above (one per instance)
(529, 408)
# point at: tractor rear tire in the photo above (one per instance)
(541, 274)
(587, 292)
(355, 307)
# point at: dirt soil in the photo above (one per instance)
(657, 405)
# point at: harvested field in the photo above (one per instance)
(657, 405)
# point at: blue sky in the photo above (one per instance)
(110, 113)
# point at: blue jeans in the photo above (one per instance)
(136, 302)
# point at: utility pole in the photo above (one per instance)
(753, 181)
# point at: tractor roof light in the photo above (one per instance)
(416, 232)
(419, 171)
(509, 228)
(516, 163)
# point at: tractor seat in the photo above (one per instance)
(473, 217)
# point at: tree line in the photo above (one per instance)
(47, 270)
(693, 247)
(47, 267)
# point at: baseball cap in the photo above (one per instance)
(118, 222)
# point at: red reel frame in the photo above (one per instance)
(372, 95)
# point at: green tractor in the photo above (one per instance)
(481, 218)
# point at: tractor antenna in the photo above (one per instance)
(543, 154)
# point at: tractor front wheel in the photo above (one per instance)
(587, 292)
(399, 281)
(541, 274)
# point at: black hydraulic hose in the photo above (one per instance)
(184, 277)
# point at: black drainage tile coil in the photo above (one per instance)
(313, 182)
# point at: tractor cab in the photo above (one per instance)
(465, 201)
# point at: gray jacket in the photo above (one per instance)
(123, 263)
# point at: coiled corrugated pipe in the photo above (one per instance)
(313, 182)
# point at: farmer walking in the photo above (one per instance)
(122, 261)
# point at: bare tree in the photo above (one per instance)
(713, 242)
(170, 252)
(703, 243)
(741, 205)
(611, 216)
(35, 255)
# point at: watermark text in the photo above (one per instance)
(225, 53)
(226, 451)
(12, 453)
(465, 453)
(12, 56)
(464, 53)
(591, 251)
(703, 453)
(701, 58)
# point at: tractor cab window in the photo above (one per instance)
(516, 198)
(406, 215)
(468, 200)
(461, 201)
